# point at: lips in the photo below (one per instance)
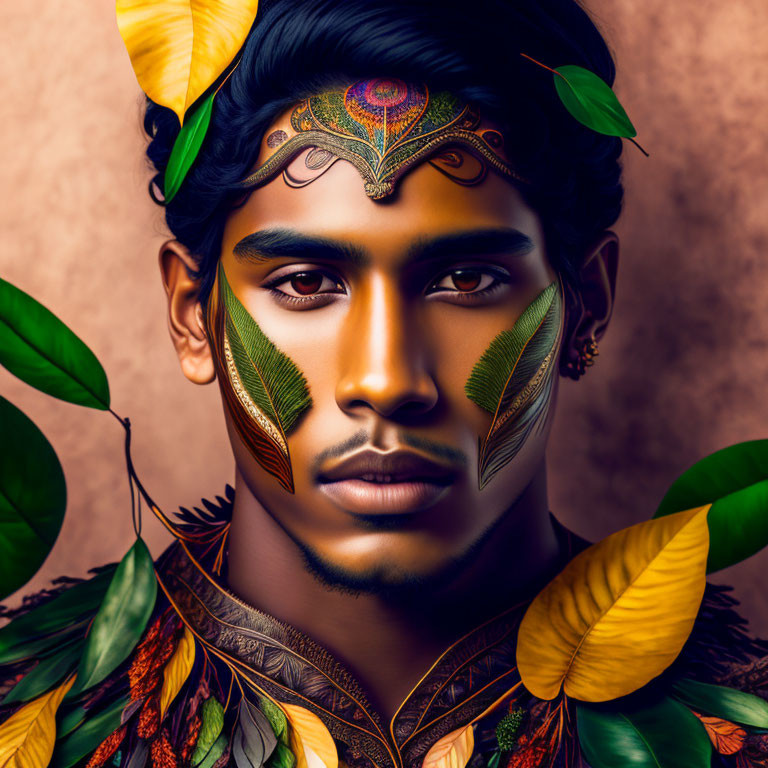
(372, 482)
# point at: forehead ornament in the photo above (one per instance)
(384, 127)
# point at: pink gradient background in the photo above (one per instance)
(682, 371)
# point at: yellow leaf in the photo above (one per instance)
(27, 737)
(310, 740)
(453, 750)
(178, 48)
(177, 670)
(619, 613)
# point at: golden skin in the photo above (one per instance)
(387, 356)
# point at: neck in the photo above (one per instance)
(388, 644)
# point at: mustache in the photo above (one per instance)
(441, 451)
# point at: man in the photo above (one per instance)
(393, 241)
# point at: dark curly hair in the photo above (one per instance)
(298, 47)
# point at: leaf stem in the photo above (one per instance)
(638, 146)
(133, 478)
(554, 71)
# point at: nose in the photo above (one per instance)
(383, 362)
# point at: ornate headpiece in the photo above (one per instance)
(383, 127)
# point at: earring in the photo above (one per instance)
(586, 358)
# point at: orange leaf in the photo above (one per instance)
(726, 737)
(452, 751)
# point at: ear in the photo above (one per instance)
(185, 314)
(589, 304)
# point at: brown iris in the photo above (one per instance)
(466, 279)
(306, 283)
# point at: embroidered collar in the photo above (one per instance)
(472, 675)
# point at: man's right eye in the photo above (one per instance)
(305, 286)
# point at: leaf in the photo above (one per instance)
(311, 743)
(591, 101)
(139, 754)
(44, 645)
(513, 380)
(619, 613)
(282, 757)
(276, 718)
(33, 497)
(727, 738)
(73, 719)
(186, 148)
(210, 729)
(453, 750)
(58, 613)
(666, 735)
(38, 348)
(727, 703)
(46, 674)
(178, 48)
(735, 481)
(28, 735)
(271, 391)
(88, 735)
(214, 753)
(176, 671)
(121, 619)
(254, 740)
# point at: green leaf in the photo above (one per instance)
(274, 383)
(591, 101)
(33, 497)
(667, 735)
(186, 147)
(69, 721)
(49, 672)
(87, 736)
(282, 757)
(42, 646)
(513, 380)
(492, 372)
(215, 752)
(210, 729)
(735, 481)
(494, 760)
(38, 348)
(61, 612)
(726, 703)
(276, 717)
(120, 622)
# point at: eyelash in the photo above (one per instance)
(500, 278)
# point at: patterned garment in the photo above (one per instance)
(240, 660)
(383, 127)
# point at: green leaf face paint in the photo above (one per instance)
(513, 380)
(265, 391)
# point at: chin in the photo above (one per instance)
(395, 572)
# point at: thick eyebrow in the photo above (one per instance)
(477, 242)
(267, 244)
(288, 243)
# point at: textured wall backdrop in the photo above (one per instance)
(682, 371)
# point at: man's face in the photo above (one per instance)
(386, 307)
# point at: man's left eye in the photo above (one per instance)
(465, 281)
